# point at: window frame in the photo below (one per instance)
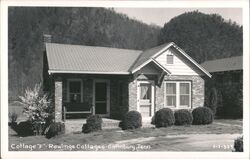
(178, 106)
(167, 59)
(165, 94)
(68, 88)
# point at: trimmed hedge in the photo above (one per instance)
(55, 128)
(183, 117)
(202, 116)
(132, 120)
(164, 118)
(94, 123)
(238, 144)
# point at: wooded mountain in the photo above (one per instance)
(202, 36)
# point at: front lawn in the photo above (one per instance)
(145, 138)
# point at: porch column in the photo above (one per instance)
(58, 99)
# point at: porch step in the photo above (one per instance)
(72, 125)
(146, 123)
(110, 123)
(75, 125)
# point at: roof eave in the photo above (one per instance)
(87, 72)
(150, 59)
(193, 61)
(159, 65)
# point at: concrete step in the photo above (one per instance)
(75, 125)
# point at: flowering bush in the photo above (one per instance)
(36, 108)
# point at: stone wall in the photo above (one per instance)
(58, 99)
(132, 94)
(197, 84)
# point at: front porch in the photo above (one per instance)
(75, 125)
(78, 95)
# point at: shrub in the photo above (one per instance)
(202, 115)
(36, 107)
(55, 128)
(13, 117)
(183, 117)
(12, 120)
(238, 144)
(132, 120)
(94, 123)
(232, 99)
(164, 118)
(24, 128)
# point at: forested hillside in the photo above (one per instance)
(202, 36)
(86, 26)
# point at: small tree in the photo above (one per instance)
(213, 100)
(36, 107)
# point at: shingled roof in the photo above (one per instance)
(64, 58)
(89, 59)
(225, 64)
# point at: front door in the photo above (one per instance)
(145, 98)
(101, 97)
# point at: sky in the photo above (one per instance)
(160, 16)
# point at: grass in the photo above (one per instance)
(106, 137)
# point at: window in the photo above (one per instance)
(177, 94)
(184, 94)
(145, 91)
(170, 59)
(75, 91)
(171, 94)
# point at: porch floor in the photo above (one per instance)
(75, 125)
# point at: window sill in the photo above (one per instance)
(177, 108)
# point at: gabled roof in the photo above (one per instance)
(63, 58)
(151, 54)
(225, 64)
(146, 56)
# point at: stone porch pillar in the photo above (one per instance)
(58, 99)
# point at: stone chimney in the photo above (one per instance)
(47, 38)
